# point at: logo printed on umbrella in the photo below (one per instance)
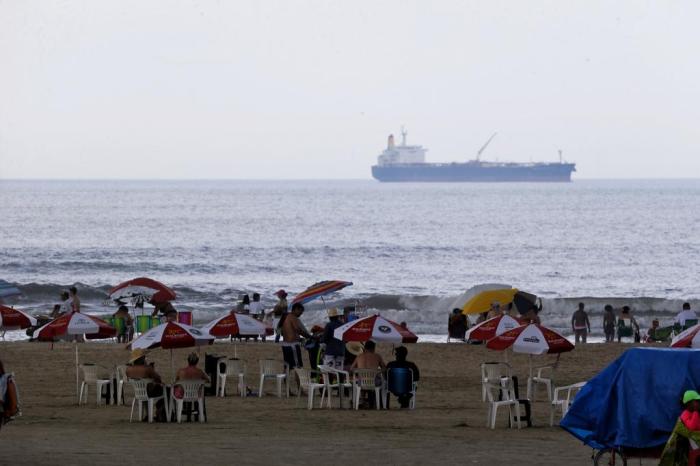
(384, 329)
(194, 331)
(532, 339)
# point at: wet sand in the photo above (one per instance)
(447, 427)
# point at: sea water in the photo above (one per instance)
(408, 248)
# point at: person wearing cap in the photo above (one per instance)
(335, 350)
(691, 412)
(278, 311)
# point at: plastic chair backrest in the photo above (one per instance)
(121, 373)
(507, 389)
(689, 323)
(304, 376)
(140, 388)
(191, 389)
(367, 378)
(89, 372)
(662, 333)
(272, 367)
(234, 367)
(399, 380)
(493, 371)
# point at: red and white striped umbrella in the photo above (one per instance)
(143, 288)
(688, 338)
(234, 324)
(72, 325)
(172, 335)
(13, 319)
(491, 328)
(531, 339)
(375, 328)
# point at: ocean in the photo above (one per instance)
(409, 249)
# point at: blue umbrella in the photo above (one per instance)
(7, 290)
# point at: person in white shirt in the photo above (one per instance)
(685, 314)
(256, 307)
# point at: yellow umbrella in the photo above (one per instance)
(482, 302)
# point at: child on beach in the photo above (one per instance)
(691, 414)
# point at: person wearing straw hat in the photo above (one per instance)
(335, 350)
(137, 368)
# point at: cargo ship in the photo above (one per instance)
(407, 163)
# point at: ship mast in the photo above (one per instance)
(486, 144)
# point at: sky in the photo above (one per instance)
(298, 89)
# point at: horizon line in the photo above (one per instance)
(355, 179)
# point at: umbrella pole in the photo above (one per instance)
(235, 350)
(77, 378)
(172, 366)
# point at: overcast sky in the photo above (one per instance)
(311, 89)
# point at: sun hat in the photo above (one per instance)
(333, 312)
(354, 347)
(137, 354)
(690, 395)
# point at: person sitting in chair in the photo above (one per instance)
(139, 369)
(401, 363)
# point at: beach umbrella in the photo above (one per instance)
(375, 328)
(524, 301)
(72, 325)
(13, 319)
(688, 338)
(492, 327)
(143, 289)
(234, 324)
(318, 290)
(171, 335)
(8, 290)
(462, 299)
(482, 301)
(531, 339)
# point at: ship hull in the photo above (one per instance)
(474, 172)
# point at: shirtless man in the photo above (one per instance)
(192, 372)
(580, 324)
(368, 359)
(292, 331)
(138, 369)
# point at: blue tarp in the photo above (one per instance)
(635, 401)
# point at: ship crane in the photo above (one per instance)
(483, 148)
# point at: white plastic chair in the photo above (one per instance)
(121, 380)
(491, 375)
(305, 383)
(335, 379)
(193, 393)
(507, 399)
(563, 397)
(366, 380)
(543, 376)
(140, 387)
(277, 370)
(90, 377)
(234, 368)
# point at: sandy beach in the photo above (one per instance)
(448, 426)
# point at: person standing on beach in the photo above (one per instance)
(256, 308)
(292, 331)
(74, 300)
(335, 349)
(580, 324)
(278, 311)
(609, 323)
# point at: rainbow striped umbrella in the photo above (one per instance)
(319, 289)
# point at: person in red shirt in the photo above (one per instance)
(691, 414)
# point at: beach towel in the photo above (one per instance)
(676, 450)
